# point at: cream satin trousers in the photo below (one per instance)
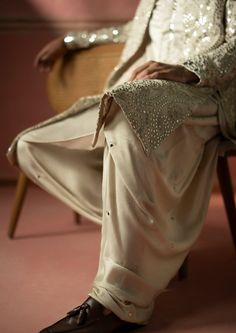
(151, 207)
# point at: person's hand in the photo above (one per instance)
(158, 70)
(49, 54)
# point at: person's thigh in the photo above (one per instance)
(65, 130)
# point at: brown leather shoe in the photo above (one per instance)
(90, 317)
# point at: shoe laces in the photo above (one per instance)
(80, 312)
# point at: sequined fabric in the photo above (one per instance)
(180, 29)
(191, 33)
(230, 19)
(153, 108)
(84, 39)
(208, 34)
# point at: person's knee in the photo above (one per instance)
(23, 154)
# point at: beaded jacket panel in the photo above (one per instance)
(209, 50)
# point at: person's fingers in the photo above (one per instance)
(36, 61)
(145, 72)
(152, 76)
(155, 70)
(50, 52)
(40, 57)
(152, 67)
(45, 68)
(44, 63)
(140, 69)
(46, 58)
(159, 74)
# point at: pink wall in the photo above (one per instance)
(25, 26)
(87, 10)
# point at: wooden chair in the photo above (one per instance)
(73, 77)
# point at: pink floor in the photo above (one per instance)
(49, 267)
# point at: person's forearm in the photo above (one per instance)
(83, 39)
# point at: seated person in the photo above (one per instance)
(140, 160)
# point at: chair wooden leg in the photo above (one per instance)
(183, 271)
(77, 218)
(18, 203)
(228, 194)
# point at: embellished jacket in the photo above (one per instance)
(145, 102)
(214, 63)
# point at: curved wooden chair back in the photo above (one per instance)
(81, 73)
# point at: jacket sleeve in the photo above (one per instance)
(85, 39)
(219, 65)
